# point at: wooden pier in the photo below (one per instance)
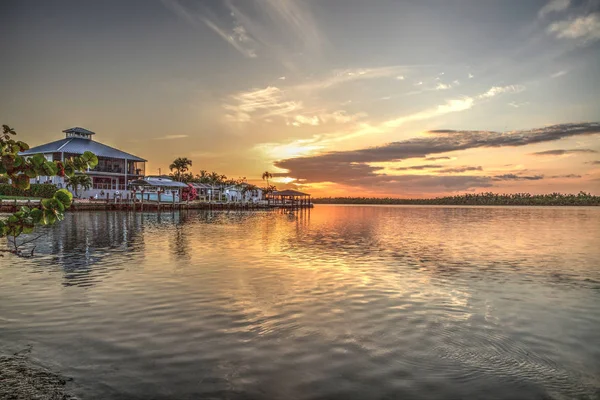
(128, 204)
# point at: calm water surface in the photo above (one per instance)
(342, 302)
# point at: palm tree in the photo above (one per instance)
(181, 165)
(267, 175)
(78, 180)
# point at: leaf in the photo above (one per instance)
(90, 159)
(23, 146)
(38, 160)
(50, 168)
(64, 197)
(69, 169)
(36, 215)
(18, 161)
(30, 173)
(21, 182)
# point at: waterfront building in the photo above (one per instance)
(115, 169)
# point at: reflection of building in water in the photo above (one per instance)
(85, 243)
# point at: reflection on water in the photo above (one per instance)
(338, 302)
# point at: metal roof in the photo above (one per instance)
(77, 145)
(164, 182)
(201, 185)
(290, 193)
(79, 130)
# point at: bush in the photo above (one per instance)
(43, 190)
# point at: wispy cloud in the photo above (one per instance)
(554, 6)
(273, 22)
(438, 158)
(419, 167)
(558, 74)
(585, 28)
(514, 104)
(340, 76)
(367, 128)
(171, 137)
(514, 177)
(496, 90)
(451, 106)
(259, 103)
(458, 170)
(568, 176)
(561, 152)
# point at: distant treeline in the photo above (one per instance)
(478, 199)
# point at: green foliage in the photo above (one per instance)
(24, 220)
(478, 199)
(44, 190)
(20, 170)
(75, 181)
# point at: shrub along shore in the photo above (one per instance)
(478, 199)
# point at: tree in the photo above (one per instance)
(181, 165)
(79, 180)
(20, 170)
(267, 175)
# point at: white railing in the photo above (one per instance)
(107, 186)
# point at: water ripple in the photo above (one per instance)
(339, 303)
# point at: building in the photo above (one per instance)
(243, 194)
(111, 176)
(155, 188)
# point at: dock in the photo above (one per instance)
(129, 204)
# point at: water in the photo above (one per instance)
(342, 302)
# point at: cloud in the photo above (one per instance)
(438, 158)
(561, 152)
(346, 166)
(513, 177)
(569, 176)
(260, 103)
(451, 106)
(558, 74)
(442, 86)
(460, 169)
(597, 162)
(518, 105)
(235, 36)
(419, 167)
(496, 90)
(585, 28)
(272, 25)
(171, 137)
(341, 76)
(554, 6)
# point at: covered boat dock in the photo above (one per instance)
(290, 198)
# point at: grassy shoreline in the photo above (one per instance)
(480, 199)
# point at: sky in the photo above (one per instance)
(379, 98)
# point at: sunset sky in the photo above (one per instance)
(334, 97)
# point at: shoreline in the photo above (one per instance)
(23, 379)
(14, 205)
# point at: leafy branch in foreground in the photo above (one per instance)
(20, 170)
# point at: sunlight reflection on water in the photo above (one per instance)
(348, 302)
